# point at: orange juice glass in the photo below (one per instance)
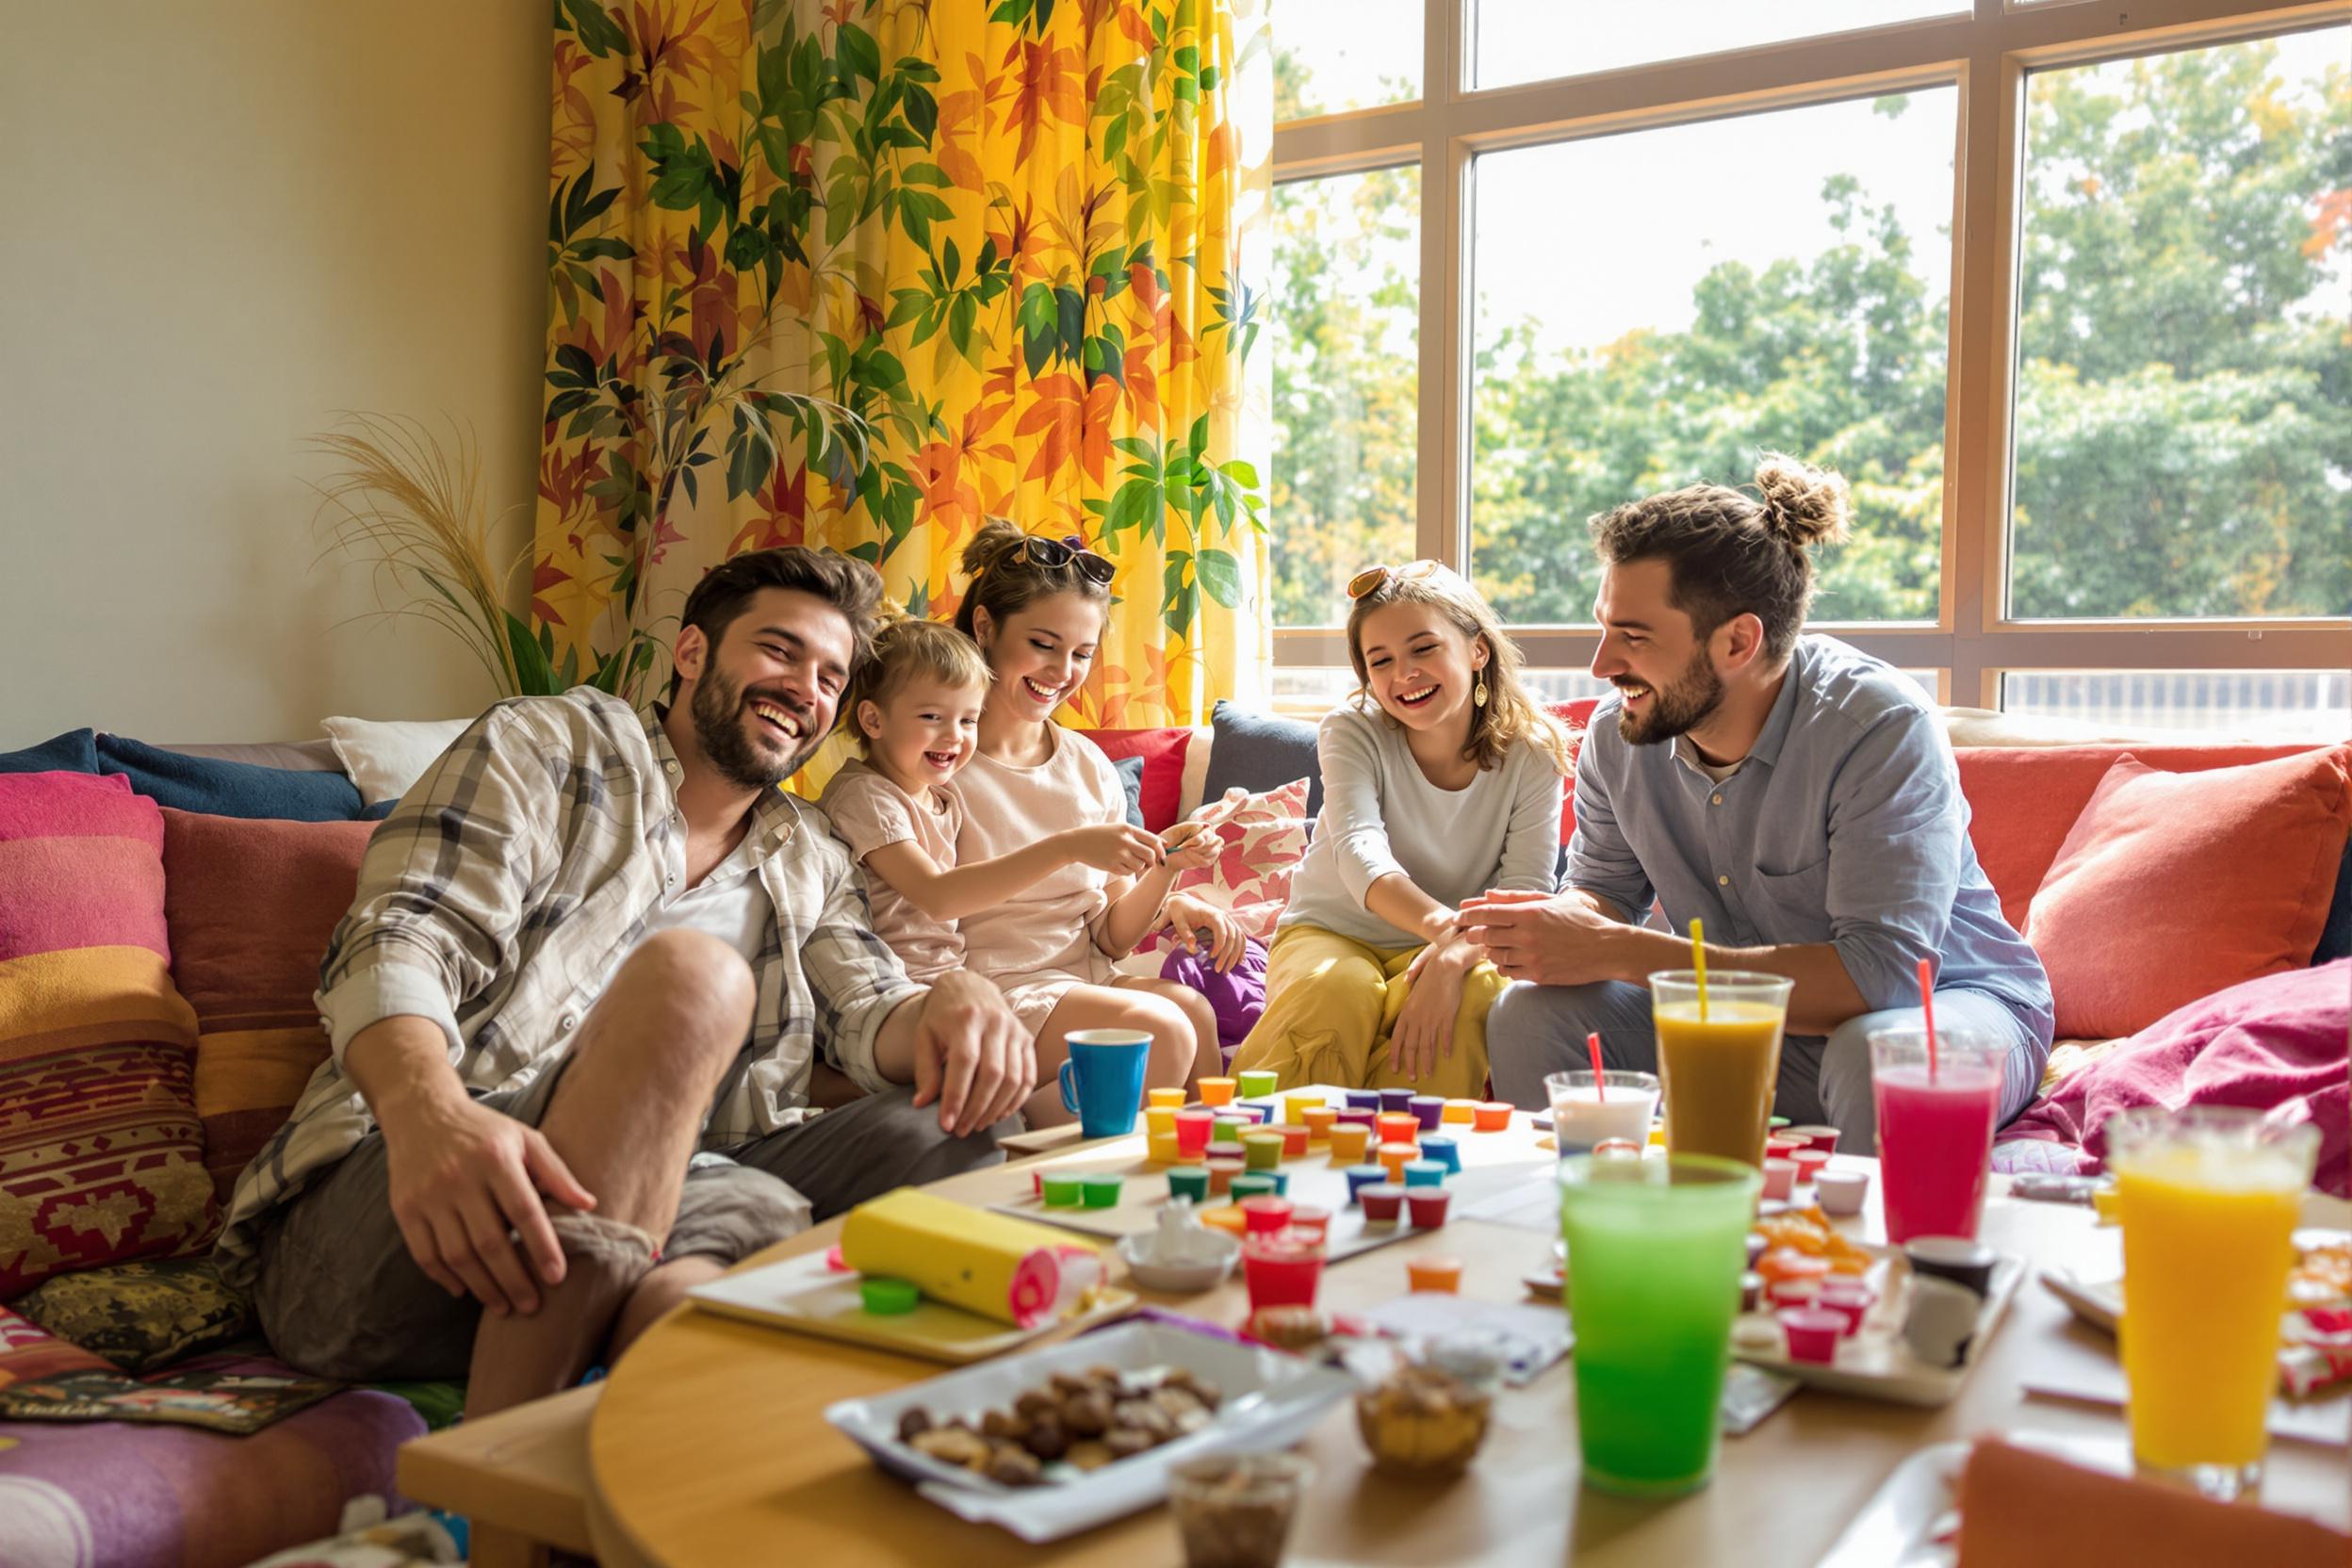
(2208, 1197)
(1718, 1059)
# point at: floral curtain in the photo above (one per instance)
(863, 273)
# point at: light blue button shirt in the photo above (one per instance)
(1844, 825)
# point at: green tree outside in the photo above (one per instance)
(2183, 423)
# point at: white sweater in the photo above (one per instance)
(1381, 814)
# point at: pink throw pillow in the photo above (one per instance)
(2173, 886)
(1265, 837)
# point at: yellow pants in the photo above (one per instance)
(1329, 1006)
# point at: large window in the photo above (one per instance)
(1786, 289)
(2064, 290)
(1525, 41)
(2184, 340)
(1346, 257)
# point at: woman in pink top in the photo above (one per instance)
(1036, 607)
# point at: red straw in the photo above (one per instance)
(1927, 1006)
(1592, 1043)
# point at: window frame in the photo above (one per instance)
(1986, 51)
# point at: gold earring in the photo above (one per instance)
(1478, 692)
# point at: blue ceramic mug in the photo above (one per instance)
(1103, 1081)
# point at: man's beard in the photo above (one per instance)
(722, 713)
(1676, 709)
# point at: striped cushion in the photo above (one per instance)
(101, 1158)
(249, 904)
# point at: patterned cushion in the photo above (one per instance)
(250, 906)
(101, 1158)
(30, 1353)
(139, 1316)
(1265, 837)
(108, 1493)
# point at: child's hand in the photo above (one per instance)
(1206, 931)
(1192, 846)
(1114, 848)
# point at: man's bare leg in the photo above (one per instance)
(655, 1294)
(624, 1119)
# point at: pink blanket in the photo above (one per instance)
(2280, 1041)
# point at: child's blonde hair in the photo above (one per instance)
(907, 648)
(1508, 715)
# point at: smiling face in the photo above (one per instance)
(1420, 667)
(1040, 654)
(920, 734)
(1651, 653)
(763, 700)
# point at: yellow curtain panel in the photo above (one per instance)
(862, 274)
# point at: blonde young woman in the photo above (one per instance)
(1442, 780)
(1037, 608)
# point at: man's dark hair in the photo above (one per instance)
(1731, 553)
(847, 584)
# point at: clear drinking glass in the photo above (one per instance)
(1719, 1058)
(1589, 1108)
(1655, 1250)
(1934, 1129)
(2209, 1198)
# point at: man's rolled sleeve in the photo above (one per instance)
(856, 981)
(440, 892)
(1896, 823)
(385, 986)
(1600, 861)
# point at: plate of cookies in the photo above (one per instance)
(1071, 1435)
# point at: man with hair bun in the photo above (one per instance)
(1796, 796)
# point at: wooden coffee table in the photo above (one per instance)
(710, 1448)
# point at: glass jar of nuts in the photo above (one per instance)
(1426, 1414)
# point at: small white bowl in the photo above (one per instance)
(1185, 1280)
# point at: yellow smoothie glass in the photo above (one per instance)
(2209, 1198)
(1719, 1058)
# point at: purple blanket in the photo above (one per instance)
(1238, 996)
(2278, 1043)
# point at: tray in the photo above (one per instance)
(2098, 1301)
(1492, 1164)
(1874, 1363)
(805, 1296)
(1271, 1401)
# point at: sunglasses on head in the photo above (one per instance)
(1374, 578)
(1054, 554)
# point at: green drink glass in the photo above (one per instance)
(1655, 1250)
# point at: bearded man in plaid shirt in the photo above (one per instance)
(599, 976)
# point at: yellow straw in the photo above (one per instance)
(1698, 962)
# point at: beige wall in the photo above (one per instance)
(222, 222)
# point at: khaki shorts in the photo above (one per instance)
(339, 1297)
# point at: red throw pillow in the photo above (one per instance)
(1163, 753)
(101, 1158)
(2173, 886)
(251, 904)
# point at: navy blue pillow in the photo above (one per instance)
(228, 789)
(2335, 937)
(1130, 779)
(75, 751)
(1261, 752)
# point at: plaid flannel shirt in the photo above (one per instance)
(502, 893)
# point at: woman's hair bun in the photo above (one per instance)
(1803, 504)
(998, 537)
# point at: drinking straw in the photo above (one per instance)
(1592, 1043)
(1927, 1006)
(1698, 962)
